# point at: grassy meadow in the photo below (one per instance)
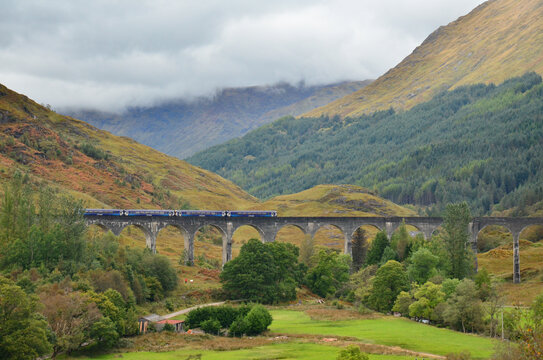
(389, 331)
(318, 332)
(291, 350)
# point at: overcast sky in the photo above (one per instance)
(115, 53)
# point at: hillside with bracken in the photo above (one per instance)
(103, 169)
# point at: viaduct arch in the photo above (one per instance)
(268, 228)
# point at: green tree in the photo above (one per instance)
(359, 249)
(360, 282)
(308, 251)
(160, 267)
(23, 332)
(400, 241)
(464, 309)
(40, 228)
(377, 247)
(422, 265)
(211, 326)
(257, 320)
(330, 273)
(388, 254)
(456, 237)
(483, 282)
(428, 296)
(389, 281)
(262, 273)
(448, 286)
(402, 303)
(351, 352)
(104, 333)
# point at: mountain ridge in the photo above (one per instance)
(455, 55)
(105, 170)
(438, 152)
(183, 127)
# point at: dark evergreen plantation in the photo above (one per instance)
(480, 143)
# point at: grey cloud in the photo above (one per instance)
(111, 54)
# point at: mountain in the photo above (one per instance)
(103, 169)
(497, 40)
(479, 143)
(181, 128)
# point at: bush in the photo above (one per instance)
(257, 320)
(93, 152)
(197, 316)
(351, 352)
(211, 326)
(168, 327)
(227, 314)
(238, 327)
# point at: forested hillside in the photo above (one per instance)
(497, 40)
(479, 143)
(183, 127)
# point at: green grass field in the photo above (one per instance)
(386, 331)
(291, 350)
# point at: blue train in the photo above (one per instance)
(181, 213)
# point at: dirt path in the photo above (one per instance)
(184, 311)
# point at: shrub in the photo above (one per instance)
(227, 314)
(93, 152)
(351, 352)
(211, 326)
(195, 317)
(168, 327)
(238, 327)
(257, 320)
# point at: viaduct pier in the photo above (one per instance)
(268, 227)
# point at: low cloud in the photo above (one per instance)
(109, 55)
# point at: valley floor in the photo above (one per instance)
(313, 332)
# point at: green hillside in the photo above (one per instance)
(497, 40)
(479, 143)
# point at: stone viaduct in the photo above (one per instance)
(268, 228)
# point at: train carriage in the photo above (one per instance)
(251, 213)
(104, 212)
(201, 213)
(143, 212)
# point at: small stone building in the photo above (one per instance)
(178, 324)
(144, 322)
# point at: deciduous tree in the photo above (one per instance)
(264, 273)
(330, 273)
(23, 332)
(389, 281)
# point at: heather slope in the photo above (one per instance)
(103, 169)
(497, 40)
